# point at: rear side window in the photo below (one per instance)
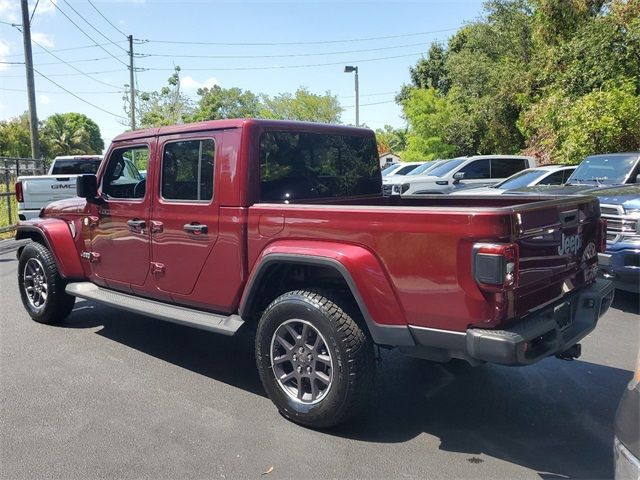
(75, 166)
(301, 165)
(477, 169)
(505, 167)
(187, 170)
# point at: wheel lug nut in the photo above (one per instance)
(309, 357)
(299, 369)
(295, 357)
(308, 369)
(301, 350)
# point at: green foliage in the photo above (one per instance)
(425, 112)
(303, 105)
(557, 79)
(216, 103)
(70, 134)
(15, 139)
(167, 106)
(391, 139)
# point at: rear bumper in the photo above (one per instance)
(626, 464)
(28, 214)
(543, 333)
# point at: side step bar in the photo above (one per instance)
(226, 325)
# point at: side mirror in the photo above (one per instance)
(458, 176)
(87, 186)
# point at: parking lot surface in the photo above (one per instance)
(109, 394)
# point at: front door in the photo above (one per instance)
(184, 222)
(120, 236)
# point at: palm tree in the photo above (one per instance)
(64, 138)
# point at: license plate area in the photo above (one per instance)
(562, 314)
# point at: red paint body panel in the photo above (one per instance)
(57, 236)
(411, 260)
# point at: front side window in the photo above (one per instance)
(477, 169)
(122, 178)
(556, 178)
(187, 170)
(301, 165)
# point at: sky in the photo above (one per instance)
(266, 46)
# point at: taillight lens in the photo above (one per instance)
(19, 193)
(496, 265)
(602, 235)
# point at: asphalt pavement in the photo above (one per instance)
(109, 394)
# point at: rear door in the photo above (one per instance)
(184, 221)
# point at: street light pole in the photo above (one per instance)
(349, 69)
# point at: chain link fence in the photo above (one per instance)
(10, 169)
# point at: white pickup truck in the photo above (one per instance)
(35, 192)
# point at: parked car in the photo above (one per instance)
(34, 192)
(391, 185)
(480, 170)
(620, 206)
(626, 449)
(284, 231)
(405, 169)
(546, 175)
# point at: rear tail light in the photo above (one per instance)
(601, 237)
(19, 193)
(496, 265)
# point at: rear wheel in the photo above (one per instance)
(41, 286)
(315, 361)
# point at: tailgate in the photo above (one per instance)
(40, 190)
(558, 243)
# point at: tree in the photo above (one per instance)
(71, 134)
(391, 139)
(303, 105)
(216, 103)
(167, 106)
(15, 137)
(427, 113)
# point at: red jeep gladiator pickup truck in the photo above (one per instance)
(281, 228)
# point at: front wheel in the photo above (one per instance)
(315, 361)
(41, 286)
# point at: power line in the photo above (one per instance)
(76, 96)
(370, 94)
(272, 67)
(91, 25)
(82, 60)
(34, 11)
(107, 20)
(368, 104)
(11, 25)
(80, 72)
(323, 42)
(83, 47)
(315, 54)
(85, 33)
(77, 75)
(3, 89)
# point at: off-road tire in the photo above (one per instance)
(58, 303)
(349, 345)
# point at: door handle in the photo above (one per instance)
(136, 224)
(195, 228)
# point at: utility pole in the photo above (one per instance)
(132, 87)
(31, 85)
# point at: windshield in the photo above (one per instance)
(421, 168)
(75, 166)
(406, 169)
(389, 169)
(605, 169)
(521, 179)
(446, 167)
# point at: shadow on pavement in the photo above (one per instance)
(226, 359)
(627, 302)
(554, 417)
